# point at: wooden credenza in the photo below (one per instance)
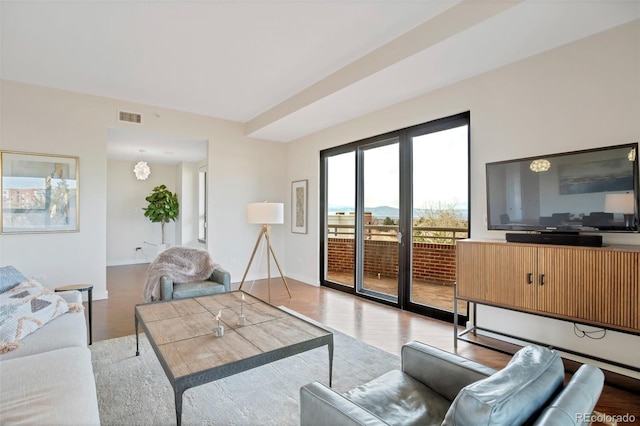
(596, 286)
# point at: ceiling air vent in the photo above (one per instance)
(130, 117)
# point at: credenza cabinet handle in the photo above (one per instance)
(541, 279)
(529, 278)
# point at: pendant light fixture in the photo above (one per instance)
(142, 170)
(541, 165)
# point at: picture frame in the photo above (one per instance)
(299, 206)
(40, 193)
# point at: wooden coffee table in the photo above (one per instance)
(180, 333)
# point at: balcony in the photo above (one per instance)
(433, 268)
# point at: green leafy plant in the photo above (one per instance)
(163, 206)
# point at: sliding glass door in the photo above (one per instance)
(340, 195)
(440, 215)
(380, 177)
(393, 207)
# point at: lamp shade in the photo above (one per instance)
(265, 213)
(619, 203)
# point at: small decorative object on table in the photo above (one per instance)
(241, 318)
(218, 330)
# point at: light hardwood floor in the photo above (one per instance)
(376, 324)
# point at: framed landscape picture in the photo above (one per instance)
(39, 193)
(299, 207)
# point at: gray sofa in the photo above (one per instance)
(218, 282)
(49, 380)
(439, 388)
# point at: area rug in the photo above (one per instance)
(135, 391)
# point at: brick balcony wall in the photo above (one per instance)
(431, 262)
(434, 262)
(340, 254)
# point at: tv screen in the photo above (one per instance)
(593, 190)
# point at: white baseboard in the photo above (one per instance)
(98, 295)
(127, 262)
(305, 279)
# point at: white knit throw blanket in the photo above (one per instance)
(181, 264)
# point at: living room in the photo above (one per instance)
(583, 93)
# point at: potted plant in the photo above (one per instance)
(163, 207)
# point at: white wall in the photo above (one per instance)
(187, 223)
(43, 120)
(582, 95)
(250, 172)
(127, 227)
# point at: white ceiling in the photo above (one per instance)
(284, 68)
(136, 145)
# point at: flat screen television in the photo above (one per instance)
(594, 190)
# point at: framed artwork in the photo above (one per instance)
(39, 193)
(299, 206)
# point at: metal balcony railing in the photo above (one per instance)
(424, 234)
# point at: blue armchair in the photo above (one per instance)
(218, 282)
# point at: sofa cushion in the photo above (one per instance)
(196, 288)
(52, 388)
(24, 309)
(512, 395)
(9, 278)
(68, 330)
(399, 399)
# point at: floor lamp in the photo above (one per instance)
(265, 214)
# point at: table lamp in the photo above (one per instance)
(620, 203)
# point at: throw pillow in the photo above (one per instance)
(512, 395)
(9, 278)
(24, 309)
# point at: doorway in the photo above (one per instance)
(174, 162)
(393, 207)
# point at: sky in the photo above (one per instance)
(439, 170)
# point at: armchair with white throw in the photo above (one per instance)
(182, 272)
